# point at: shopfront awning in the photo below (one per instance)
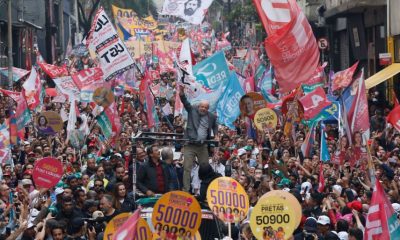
(382, 75)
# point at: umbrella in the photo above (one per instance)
(18, 73)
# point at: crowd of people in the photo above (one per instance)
(98, 176)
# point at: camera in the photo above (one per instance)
(97, 224)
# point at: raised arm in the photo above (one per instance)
(184, 100)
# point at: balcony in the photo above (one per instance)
(335, 7)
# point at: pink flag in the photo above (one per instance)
(314, 102)
(149, 99)
(31, 89)
(128, 230)
(290, 45)
(178, 104)
(343, 78)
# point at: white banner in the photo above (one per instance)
(67, 86)
(192, 11)
(112, 52)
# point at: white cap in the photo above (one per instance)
(337, 189)
(26, 182)
(396, 207)
(97, 214)
(58, 191)
(241, 152)
(343, 235)
(323, 220)
(305, 187)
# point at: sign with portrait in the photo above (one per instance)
(251, 103)
(228, 200)
(103, 96)
(265, 118)
(49, 123)
(276, 215)
(176, 212)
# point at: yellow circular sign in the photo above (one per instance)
(114, 224)
(227, 199)
(275, 216)
(49, 123)
(293, 202)
(143, 231)
(265, 118)
(103, 96)
(176, 212)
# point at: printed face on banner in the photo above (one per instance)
(191, 6)
(176, 211)
(228, 199)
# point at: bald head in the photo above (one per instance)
(203, 107)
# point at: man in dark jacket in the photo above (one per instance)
(153, 176)
(201, 126)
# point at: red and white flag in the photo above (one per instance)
(290, 45)
(53, 71)
(343, 78)
(88, 77)
(314, 102)
(394, 118)
(31, 89)
(381, 221)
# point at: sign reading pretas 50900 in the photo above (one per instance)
(212, 71)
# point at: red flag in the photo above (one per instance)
(149, 99)
(52, 70)
(314, 102)
(343, 78)
(129, 228)
(394, 118)
(358, 117)
(88, 77)
(379, 213)
(321, 184)
(291, 45)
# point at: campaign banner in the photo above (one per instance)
(22, 113)
(213, 71)
(343, 78)
(47, 172)
(31, 89)
(177, 209)
(130, 21)
(103, 39)
(67, 86)
(265, 118)
(109, 121)
(314, 102)
(114, 224)
(227, 110)
(4, 137)
(228, 199)
(53, 71)
(192, 11)
(277, 213)
(18, 73)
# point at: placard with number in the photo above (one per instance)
(276, 215)
(227, 199)
(176, 212)
(114, 224)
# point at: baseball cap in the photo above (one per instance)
(311, 224)
(324, 220)
(241, 152)
(26, 182)
(28, 172)
(305, 187)
(58, 191)
(356, 205)
(97, 214)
